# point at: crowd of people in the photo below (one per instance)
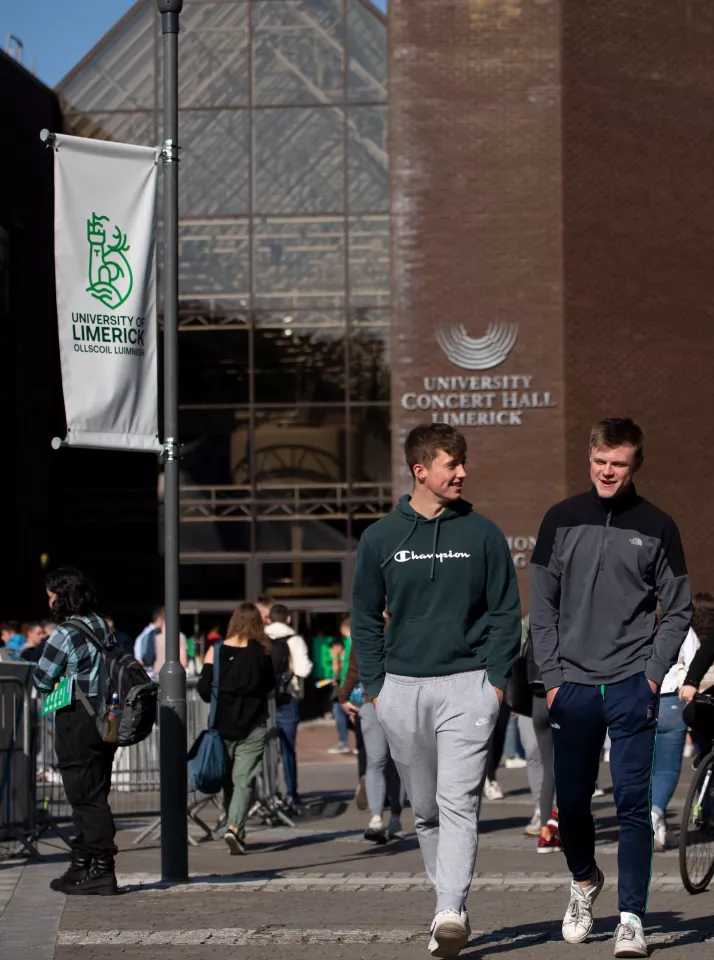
(441, 678)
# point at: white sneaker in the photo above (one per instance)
(659, 827)
(492, 790)
(688, 751)
(449, 934)
(515, 763)
(598, 791)
(394, 828)
(533, 828)
(375, 830)
(340, 748)
(578, 919)
(630, 937)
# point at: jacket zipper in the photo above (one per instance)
(604, 541)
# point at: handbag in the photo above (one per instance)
(519, 694)
(207, 761)
(699, 713)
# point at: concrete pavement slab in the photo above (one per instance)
(321, 891)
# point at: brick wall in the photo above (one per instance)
(551, 168)
(638, 188)
(475, 159)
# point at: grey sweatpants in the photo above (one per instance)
(380, 771)
(438, 730)
(535, 766)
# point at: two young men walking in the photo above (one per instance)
(602, 563)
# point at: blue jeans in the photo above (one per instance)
(341, 720)
(671, 734)
(288, 718)
(513, 746)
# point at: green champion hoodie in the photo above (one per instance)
(451, 592)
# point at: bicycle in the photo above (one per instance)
(696, 838)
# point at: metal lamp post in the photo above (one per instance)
(172, 679)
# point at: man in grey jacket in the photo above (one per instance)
(602, 562)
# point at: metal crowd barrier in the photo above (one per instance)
(135, 776)
(17, 761)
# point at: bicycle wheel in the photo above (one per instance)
(696, 838)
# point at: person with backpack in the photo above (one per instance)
(145, 643)
(150, 645)
(292, 665)
(246, 678)
(84, 758)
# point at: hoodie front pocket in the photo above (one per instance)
(430, 647)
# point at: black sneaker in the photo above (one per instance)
(77, 871)
(101, 881)
(234, 843)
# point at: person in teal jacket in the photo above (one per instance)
(438, 675)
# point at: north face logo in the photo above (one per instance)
(636, 540)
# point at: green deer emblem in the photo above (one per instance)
(110, 276)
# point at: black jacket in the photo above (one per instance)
(246, 677)
(702, 660)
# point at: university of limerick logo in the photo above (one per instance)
(110, 276)
(477, 353)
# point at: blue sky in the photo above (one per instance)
(58, 33)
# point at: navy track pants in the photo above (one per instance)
(579, 717)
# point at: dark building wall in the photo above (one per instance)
(30, 393)
(94, 509)
(475, 156)
(638, 96)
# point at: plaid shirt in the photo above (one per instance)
(68, 653)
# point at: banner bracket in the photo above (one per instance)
(49, 138)
(169, 151)
(171, 450)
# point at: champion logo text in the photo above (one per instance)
(404, 555)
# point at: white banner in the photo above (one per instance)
(105, 267)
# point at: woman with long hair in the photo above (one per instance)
(677, 688)
(84, 758)
(246, 677)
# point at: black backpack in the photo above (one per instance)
(150, 653)
(280, 655)
(121, 674)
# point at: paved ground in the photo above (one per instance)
(321, 891)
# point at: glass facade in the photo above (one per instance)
(284, 280)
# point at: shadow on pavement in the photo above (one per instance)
(669, 924)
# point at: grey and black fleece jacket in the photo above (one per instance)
(597, 572)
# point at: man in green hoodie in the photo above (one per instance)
(438, 674)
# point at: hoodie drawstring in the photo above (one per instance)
(433, 549)
(402, 542)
